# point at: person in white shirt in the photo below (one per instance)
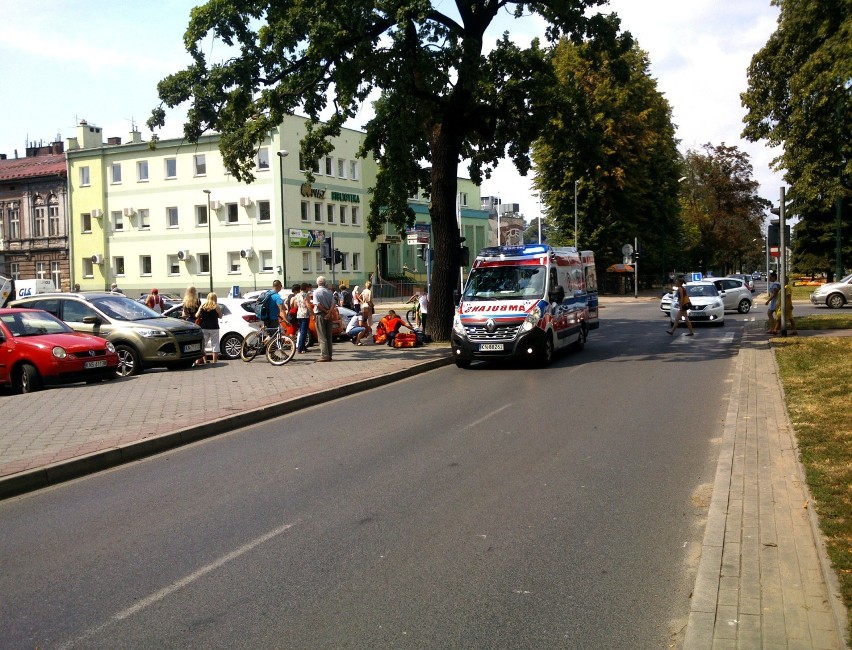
(355, 329)
(424, 307)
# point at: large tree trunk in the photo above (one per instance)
(446, 147)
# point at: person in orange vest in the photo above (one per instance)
(387, 328)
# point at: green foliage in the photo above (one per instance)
(798, 98)
(441, 98)
(612, 132)
(722, 212)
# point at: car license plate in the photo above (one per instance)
(95, 364)
(192, 347)
(490, 347)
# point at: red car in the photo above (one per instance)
(37, 348)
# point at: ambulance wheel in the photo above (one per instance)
(546, 352)
(464, 364)
(580, 343)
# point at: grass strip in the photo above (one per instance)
(817, 377)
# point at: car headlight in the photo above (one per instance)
(717, 304)
(153, 334)
(59, 352)
(110, 347)
(532, 319)
(458, 328)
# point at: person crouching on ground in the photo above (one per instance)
(356, 329)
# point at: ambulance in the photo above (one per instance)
(525, 302)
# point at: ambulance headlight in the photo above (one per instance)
(458, 328)
(531, 320)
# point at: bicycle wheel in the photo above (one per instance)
(252, 344)
(280, 350)
(411, 318)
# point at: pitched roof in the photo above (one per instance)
(33, 167)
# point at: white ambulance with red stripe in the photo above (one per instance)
(525, 302)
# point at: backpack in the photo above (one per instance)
(261, 307)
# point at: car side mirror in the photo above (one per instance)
(456, 297)
(91, 320)
(557, 295)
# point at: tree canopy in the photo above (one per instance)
(798, 98)
(444, 95)
(721, 211)
(612, 133)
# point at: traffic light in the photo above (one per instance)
(326, 250)
(338, 256)
(421, 252)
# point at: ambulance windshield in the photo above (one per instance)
(506, 283)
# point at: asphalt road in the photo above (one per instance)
(494, 507)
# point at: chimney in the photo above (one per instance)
(89, 136)
(135, 136)
(113, 140)
(57, 147)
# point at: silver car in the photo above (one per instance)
(834, 294)
(734, 292)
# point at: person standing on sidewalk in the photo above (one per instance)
(424, 307)
(788, 309)
(367, 301)
(210, 313)
(323, 301)
(303, 317)
(681, 303)
(773, 289)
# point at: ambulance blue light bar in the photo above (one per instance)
(514, 251)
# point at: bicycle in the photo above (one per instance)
(280, 348)
(412, 316)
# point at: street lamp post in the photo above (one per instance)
(209, 240)
(576, 243)
(281, 156)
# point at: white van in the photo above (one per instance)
(525, 302)
(25, 288)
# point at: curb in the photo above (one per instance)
(36, 479)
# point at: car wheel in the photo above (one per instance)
(128, 361)
(230, 346)
(29, 379)
(464, 364)
(835, 301)
(745, 306)
(546, 354)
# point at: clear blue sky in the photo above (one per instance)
(66, 60)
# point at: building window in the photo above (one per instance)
(265, 261)
(341, 168)
(40, 218)
(172, 216)
(318, 212)
(233, 212)
(356, 217)
(118, 265)
(320, 263)
(306, 262)
(115, 173)
(329, 166)
(117, 220)
(264, 214)
(56, 274)
(88, 268)
(200, 163)
(344, 214)
(262, 158)
(14, 223)
(144, 220)
(41, 271)
(354, 170)
(356, 261)
(330, 212)
(306, 208)
(53, 218)
(204, 263)
(462, 198)
(142, 171)
(344, 263)
(85, 222)
(171, 168)
(234, 262)
(84, 177)
(173, 265)
(145, 265)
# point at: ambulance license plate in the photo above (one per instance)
(490, 347)
(192, 347)
(101, 363)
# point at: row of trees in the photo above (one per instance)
(581, 106)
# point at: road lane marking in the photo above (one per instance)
(183, 582)
(492, 414)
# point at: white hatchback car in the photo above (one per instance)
(237, 322)
(707, 304)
